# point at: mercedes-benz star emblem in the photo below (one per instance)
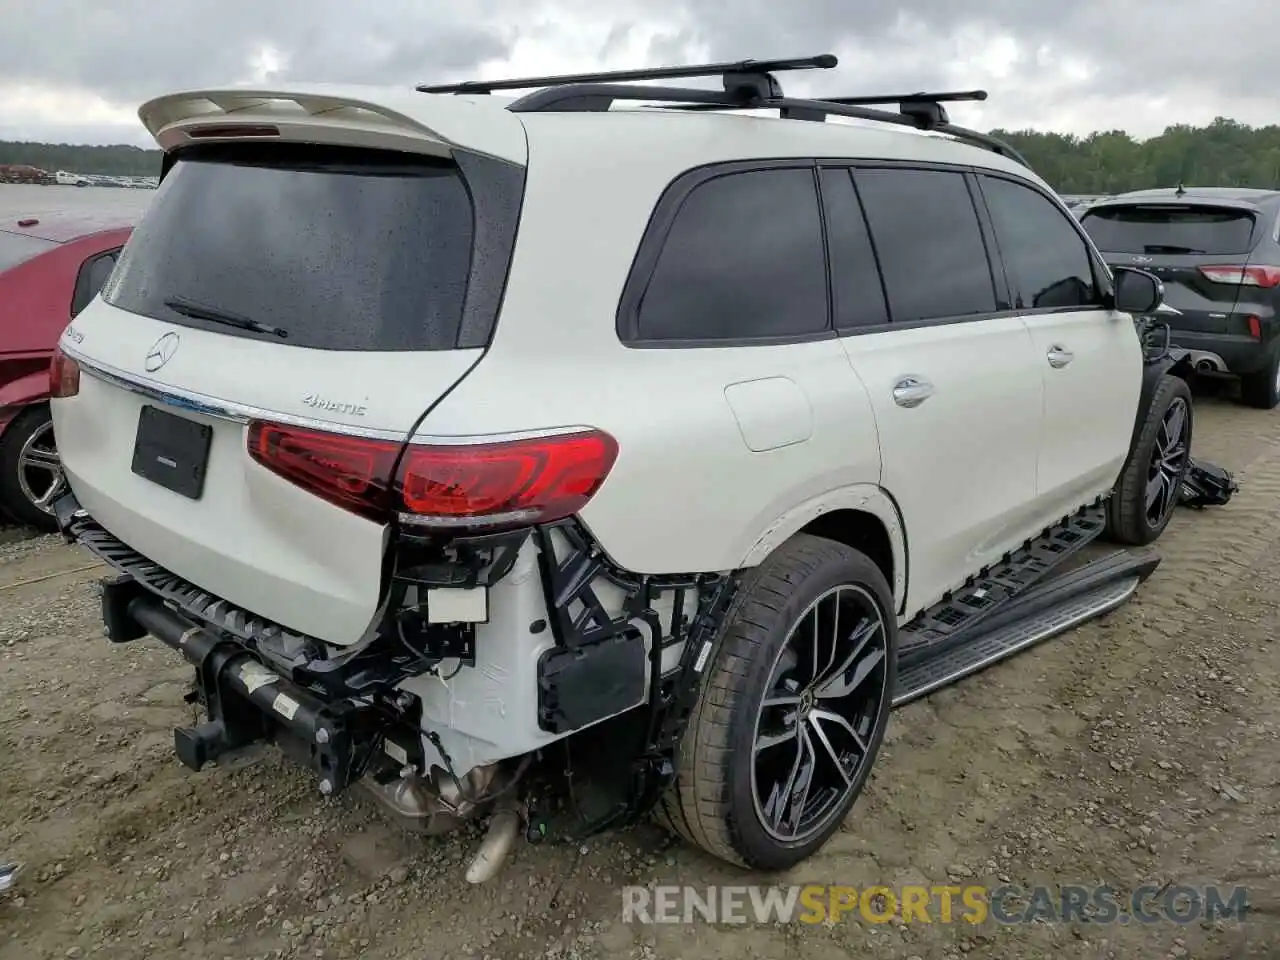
(162, 352)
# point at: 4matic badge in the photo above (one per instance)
(318, 402)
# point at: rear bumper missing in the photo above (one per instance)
(249, 697)
(247, 702)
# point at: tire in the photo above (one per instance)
(1262, 389)
(31, 431)
(1131, 518)
(715, 802)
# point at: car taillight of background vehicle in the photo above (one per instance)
(64, 375)
(1253, 276)
(454, 485)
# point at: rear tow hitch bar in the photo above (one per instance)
(247, 701)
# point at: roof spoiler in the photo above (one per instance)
(302, 113)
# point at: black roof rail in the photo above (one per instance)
(823, 61)
(748, 85)
(599, 97)
(927, 106)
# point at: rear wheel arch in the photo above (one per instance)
(863, 517)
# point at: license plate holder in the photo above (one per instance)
(172, 451)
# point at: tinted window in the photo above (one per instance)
(1170, 229)
(929, 243)
(1044, 258)
(743, 258)
(93, 274)
(855, 280)
(16, 249)
(342, 249)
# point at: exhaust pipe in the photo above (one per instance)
(499, 841)
(9, 875)
(1205, 362)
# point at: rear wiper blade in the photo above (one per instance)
(1168, 248)
(200, 312)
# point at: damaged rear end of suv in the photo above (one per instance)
(242, 406)
(259, 443)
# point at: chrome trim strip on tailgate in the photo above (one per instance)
(214, 406)
(235, 412)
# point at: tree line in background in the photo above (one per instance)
(112, 161)
(1224, 153)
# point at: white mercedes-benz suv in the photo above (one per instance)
(470, 444)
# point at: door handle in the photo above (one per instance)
(912, 391)
(1059, 356)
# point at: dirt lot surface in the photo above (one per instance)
(1142, 748)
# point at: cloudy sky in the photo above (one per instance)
(75, 71)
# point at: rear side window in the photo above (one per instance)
(1164, 228)
(1045, 259)
(94, 273)
(16, 248)
(856, 290)
(929, 243)
(743, 260)
(340, 249)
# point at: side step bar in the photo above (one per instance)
(1042, 612)
(994, 588)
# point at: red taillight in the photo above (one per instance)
(64, 375)
(507, 483)
(1252, 276)
(533, 480)
(1255, 327)
(351, 472)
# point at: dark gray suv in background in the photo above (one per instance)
(1217, 249)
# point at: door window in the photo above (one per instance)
(929, 243)
(1046, 260)
(857, 293)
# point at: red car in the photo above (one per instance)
(51, 266)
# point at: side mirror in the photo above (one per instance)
(1137, 292)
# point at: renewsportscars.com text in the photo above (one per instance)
(974, 904)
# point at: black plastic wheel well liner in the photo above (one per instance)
(1152, 373)
(860, 530)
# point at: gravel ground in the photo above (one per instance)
(1141, 748)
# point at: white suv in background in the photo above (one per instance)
(447, 434)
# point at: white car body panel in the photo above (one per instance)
(253, 538)
(962, 465)
(1085, 441)
(725, 452)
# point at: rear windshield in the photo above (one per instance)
(16, 249)
(335, 249)
(1170, 229)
